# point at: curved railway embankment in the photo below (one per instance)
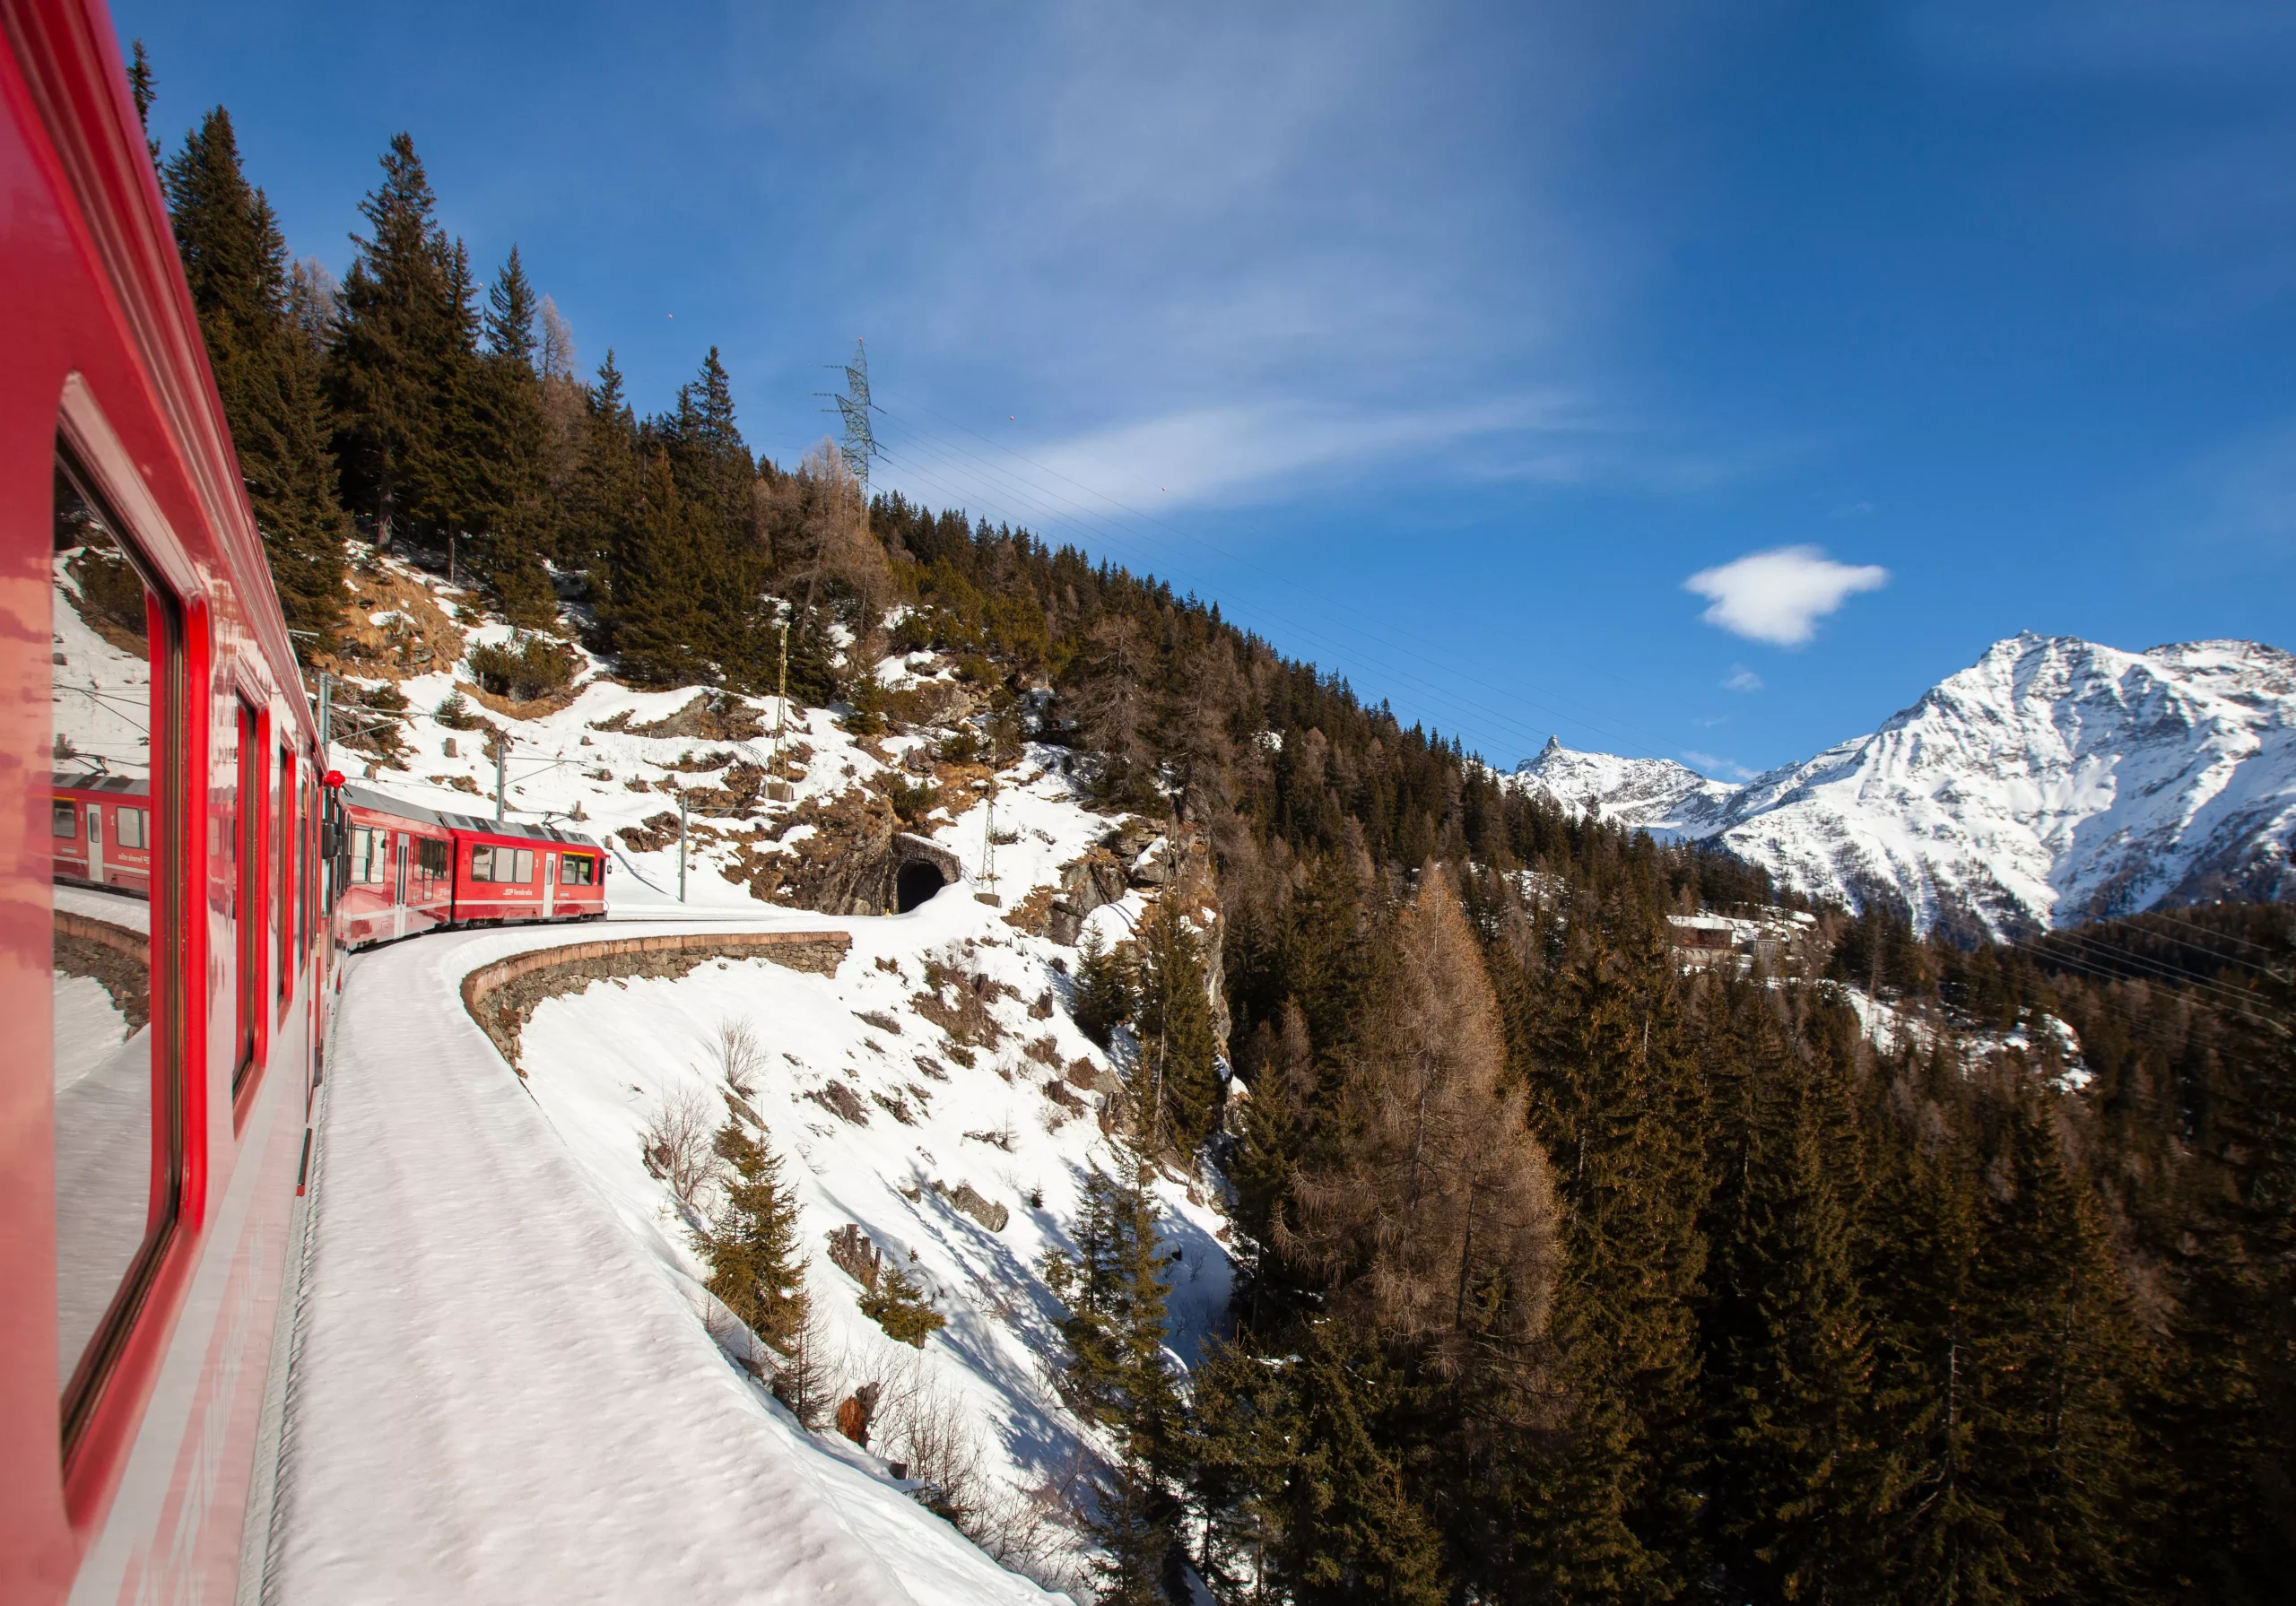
(502, 996)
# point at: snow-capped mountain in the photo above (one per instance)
(2053, 781)
(1657, 796)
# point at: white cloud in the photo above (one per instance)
(1742, 679)
(1780, 595)
(1729, 767)
(1219, 454)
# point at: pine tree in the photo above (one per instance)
(1106, 979)
(1179, 1080)
(266, 370)
(605, 499)
(652, 621)
(514, 510)
(1244, 1441)
(1608, 1510)
(1356, 1531)
(1116, 1373)
(757, 1268)
(400, 329)
(1792, 1355)
(145, 88)
(2053, 1449)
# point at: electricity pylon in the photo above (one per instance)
(854, 406)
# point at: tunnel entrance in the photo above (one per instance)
(919, 879)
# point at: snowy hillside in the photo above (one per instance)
(2054, 781)
(934, 1092)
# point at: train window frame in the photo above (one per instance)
(82, 1387)
(247, 896)
(589, 866)
(283, 849)
(143, 830)
(65, 813)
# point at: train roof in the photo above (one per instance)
(383, 803)
(129, 786)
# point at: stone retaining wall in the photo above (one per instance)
(501, 997)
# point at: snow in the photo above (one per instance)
(501, 1391)
(2054, 781)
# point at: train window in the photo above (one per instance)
(369, 849)
(436, 858)
(117, 1052)
(247, 895)
(64, 820)
(134, 828)
(304, 880)
(282, 848)
(576, 870)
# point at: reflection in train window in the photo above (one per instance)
(118, 658)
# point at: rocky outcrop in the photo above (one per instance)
(503, 997)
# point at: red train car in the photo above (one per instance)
(156, 1053)
(404, 869)
(101, 829)
(395, 869)
(508, 871)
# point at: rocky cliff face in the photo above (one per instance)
(2054, 781)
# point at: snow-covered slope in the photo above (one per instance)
(933, 1081)
(2054, 781)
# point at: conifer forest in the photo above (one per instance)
(1566, 1273)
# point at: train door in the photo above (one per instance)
(398, 887)
(96, 843)
(549, 883)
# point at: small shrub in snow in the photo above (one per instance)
(531, 668)
(877, 1018)
(741, 1056)
(899, 1307)
(677, 1146)
(454, 713)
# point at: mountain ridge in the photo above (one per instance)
(2053, 781)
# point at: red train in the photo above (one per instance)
(101, 830)
(167, 927)
(408, 869)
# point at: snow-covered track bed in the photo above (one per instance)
(497, 1394)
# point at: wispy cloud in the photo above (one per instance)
(1712, 762)
(1742, 679)
(1223, 454)
(1780, 595)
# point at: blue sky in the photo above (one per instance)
(1696, 380)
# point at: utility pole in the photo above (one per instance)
(777, 785)
(680, 844)
(501, 762)
(988, 841)
(326, 715)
